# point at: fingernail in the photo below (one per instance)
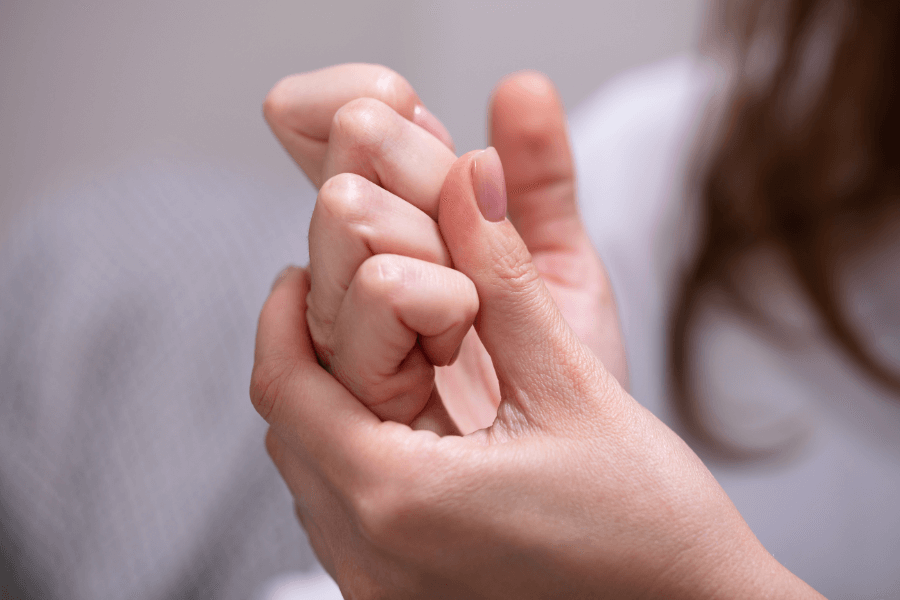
(490, 185)
(281, 276)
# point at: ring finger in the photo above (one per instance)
(400, 317)
(355, 219)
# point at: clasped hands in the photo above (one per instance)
(368, 369)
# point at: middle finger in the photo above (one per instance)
(369, 138)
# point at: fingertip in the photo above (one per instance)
(527, 89)
(292, 282)
(530, 132)
(281, 275)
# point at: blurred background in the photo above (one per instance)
(89, 86)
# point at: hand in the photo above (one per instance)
(353, 222)
(575, 491)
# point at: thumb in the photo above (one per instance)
(528, 129)
(539, 361)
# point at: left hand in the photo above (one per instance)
(575, 491)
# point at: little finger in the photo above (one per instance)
(400, 317)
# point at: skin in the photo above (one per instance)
(572, 489)
(362, 135)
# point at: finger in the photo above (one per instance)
(400, 317)
(528, 129)
(531, 346)
(310, 410)
(353, 220)
(300, 108)
(371, 139)
(471, 385)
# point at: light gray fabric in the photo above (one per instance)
(131, 460)
(830, 511)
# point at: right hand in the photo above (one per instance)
(366, 120)
(575, 490)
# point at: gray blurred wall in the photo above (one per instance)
(89, 86)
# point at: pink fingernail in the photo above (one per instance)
(489, 184)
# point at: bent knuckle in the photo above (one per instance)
(513, 265)
(396, 91)
(384, 514)
(346, 198)
(267, 383)
(530, 133)
(382, 278)
(361, 123)
(408, 496)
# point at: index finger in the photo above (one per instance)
(300, 108)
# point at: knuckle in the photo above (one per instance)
(385, 513)
(382, 276)
(396, 91)
(361, 123)
(267, 383)
(513, 265)
(346, 198)
(408, 495)
(531, 131)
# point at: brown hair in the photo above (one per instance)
(807, 163)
